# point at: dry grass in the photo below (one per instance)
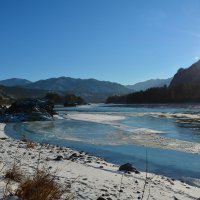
(14, 173)
(8, 191)
(42, 186)
(30, 145)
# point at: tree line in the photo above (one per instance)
(181, 93)
(66, 100)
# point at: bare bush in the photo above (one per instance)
(41, 186)
(30, 145)
(14, 173)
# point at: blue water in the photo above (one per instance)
(173, 108)
(181, 128)
(104, 140)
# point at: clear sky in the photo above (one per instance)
(125, 41)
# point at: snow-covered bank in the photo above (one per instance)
(91, 177)
(2, 133)
(99, 118)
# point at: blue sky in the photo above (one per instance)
(125, 41)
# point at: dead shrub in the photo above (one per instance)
(30, 145)
(42, 186)
(7, 189)
(14, 173)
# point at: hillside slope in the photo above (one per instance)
(188, 76)
(91, 90)
(14, 82)
(149, 84)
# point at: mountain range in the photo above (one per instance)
(142, 86)
(184, 88)
(92, 90)
(15, 82)
(78, 85)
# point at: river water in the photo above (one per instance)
(143, 132)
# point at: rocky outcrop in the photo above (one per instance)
(2, 110)
(189, 76)
(4, 98)
(28, 110)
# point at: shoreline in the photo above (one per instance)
(92, 177)
(2, 132)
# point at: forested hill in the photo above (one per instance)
(184, 87)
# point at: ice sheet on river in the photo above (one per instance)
(142, 136)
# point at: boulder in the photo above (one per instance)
(31, 105)
(101, 198)
(28, 110)
(2, 109)
(74, 155)
(128, 168)
(58, 158)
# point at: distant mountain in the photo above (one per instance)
(78, 85)
(149, 84)
(17, 92)
(189, 76)
(14, 82)
(89, 89)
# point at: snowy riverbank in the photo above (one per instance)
(90, 177)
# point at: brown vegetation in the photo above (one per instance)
(41, 186)
(30, 145)
(14, 173)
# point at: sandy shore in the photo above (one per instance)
(90, 177)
